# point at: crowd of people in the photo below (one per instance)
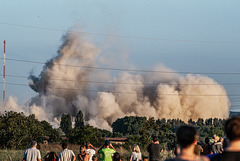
(187, 148)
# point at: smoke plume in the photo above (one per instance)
(69, 83)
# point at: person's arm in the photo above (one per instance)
(87, 156)
(92, 147)
(24, 156)
(46, 155)
(131, 157)
(74, 158)
(112, 147)
(101, 148)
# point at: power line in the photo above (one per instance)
(236, 106)
(129, 70)
(123, 36)
(119, 92)
(235, 100)
(127, 83)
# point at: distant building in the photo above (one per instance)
(234, 113)
(117, 140)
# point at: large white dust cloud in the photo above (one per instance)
(69, 84)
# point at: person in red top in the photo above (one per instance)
(51, 156)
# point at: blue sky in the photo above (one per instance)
(207, 22)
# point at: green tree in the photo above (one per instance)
(79, 120)
(86, 133)
(53, 134)
(200, 122)
(66, 123)
(128, 125)
(17, 130)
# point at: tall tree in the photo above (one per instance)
(79, 120)
(66, 123)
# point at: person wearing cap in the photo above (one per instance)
(32, 154)
(107, 150)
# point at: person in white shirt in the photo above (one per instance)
(90, 150)
(136, 153)
(32, 154)
(66, 154)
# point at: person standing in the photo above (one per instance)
(136, 154)
(32, 154)
(198, 149)
(66, 154)
(232, 131)
(107, 150)
(83, 156)
(90, 150)
(51, 156)
(187, 139)
(117, 157)
(207, 147)
(154, 150)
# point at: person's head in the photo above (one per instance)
(116, 157)
(33, 144)
(207, 140)
(52, 156)
(94, 158)
(64, 145)
(82, 149)
(145, 158)
(136, 148)
(155, 139)
(107, 143)
(88, 144)
(186, 136)
(221, 140)
(232, 128)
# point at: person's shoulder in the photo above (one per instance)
(204, 158)
(113, 151)
(27, 149)
(100, 151)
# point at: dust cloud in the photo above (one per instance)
(72, 81)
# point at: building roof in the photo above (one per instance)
(116, 139)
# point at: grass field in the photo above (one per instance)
(17, 155)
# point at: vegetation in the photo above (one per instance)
(17, 130)
(139, 130)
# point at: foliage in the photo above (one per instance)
(86, 133)
(79, 120)
(164, 129)
(17, 130)
(106, 133)
(128, 125)
(53, 134)
(66, 123)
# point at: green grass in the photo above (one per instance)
(17, 155)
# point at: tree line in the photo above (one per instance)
(17, 130)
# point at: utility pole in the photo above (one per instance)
(4, 70)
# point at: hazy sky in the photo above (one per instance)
(186, 36)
